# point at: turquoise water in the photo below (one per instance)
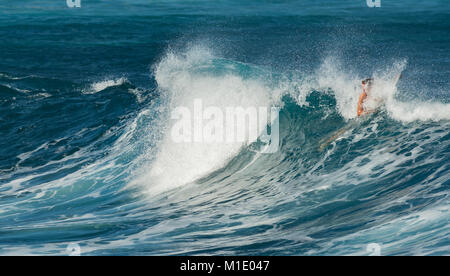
(85, 101)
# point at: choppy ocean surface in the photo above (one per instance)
(85, 101)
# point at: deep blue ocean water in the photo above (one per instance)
(85, 101)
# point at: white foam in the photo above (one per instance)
(344, 84)
(16, 89)
(102, 85)
(181, 163)
(418, 111)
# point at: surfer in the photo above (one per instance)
(366, 86)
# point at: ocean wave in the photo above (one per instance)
(105, 84)
(198, 74)
(336, 184)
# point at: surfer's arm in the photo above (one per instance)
(360, 108)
